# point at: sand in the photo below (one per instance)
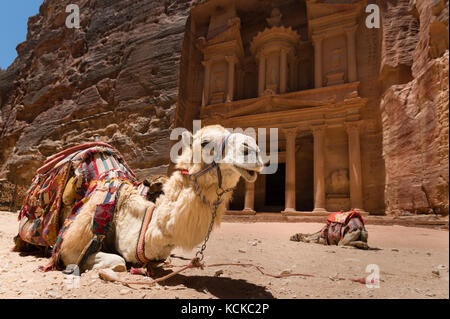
(412, 263)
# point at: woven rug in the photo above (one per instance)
(98, 166)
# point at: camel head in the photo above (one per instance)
(236, 154)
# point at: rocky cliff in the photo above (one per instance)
(116, 77)
(414, 106)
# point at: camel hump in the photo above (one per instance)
(152, 187)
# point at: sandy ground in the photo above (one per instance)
(406, 262)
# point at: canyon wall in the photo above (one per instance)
(114, 78)
(414, 106)
(117, 79)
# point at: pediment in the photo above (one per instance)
(276, 103)
(319, 8)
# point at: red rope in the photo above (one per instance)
(195, 263)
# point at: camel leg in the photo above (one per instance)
(364, 235)
(79, 234)
(350, 237)
(307, 238)
(359, 244)
(357, 239)
(104, 260)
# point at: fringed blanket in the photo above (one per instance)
(95, 166)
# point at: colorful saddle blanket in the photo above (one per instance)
(338, 224)
(95, 167)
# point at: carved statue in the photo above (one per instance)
(275, 18)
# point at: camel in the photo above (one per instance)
(342, 229)
(183, 212)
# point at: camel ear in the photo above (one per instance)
(185, 159)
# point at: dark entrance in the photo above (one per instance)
(275, 189)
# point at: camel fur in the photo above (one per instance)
(181, 218)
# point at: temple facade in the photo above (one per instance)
(307, 68)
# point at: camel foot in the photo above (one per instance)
(102, 260)
(138, 271)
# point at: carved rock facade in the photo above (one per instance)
(362, 113)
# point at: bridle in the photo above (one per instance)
(219, 191)
(214, 164)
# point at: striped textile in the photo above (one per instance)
(338, 224)
(97, 167)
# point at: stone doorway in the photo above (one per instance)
(304, 174)
(275, 190)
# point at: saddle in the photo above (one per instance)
(68, 179)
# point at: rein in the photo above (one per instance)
(196, 263)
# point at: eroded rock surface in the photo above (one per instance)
(115, 77)
(415, 111)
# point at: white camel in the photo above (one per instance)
(183, 213)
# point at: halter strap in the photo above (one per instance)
(213, 164)
(140, 249)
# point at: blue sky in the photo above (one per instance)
(13, 26)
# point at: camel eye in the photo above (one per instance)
(204, 144)
(245, 149)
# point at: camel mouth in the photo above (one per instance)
(249, 175)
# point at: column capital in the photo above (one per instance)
(317, 39)
(351, 30)
(318, 129)
(260, 55)
(207, 63)
(284, 50)
(290, 132)
(231, 59)
(353, 126)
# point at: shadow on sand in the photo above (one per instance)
(220, 287)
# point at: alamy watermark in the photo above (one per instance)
(73, 19)
(373, 279)
(372, 19)
(212, 150)
(72, 281)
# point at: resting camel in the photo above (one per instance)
(342, 229)
(183, 212)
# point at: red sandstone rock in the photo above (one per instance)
(415, 118)
(116, 76)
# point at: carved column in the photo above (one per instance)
(351, 55)
(205, 99)
(354, 149)
(262, 74)
(283, 71)
(249, 204)
(319, 168)
(231, 70)
(290, 169)
(293, 74)
(317, 62)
